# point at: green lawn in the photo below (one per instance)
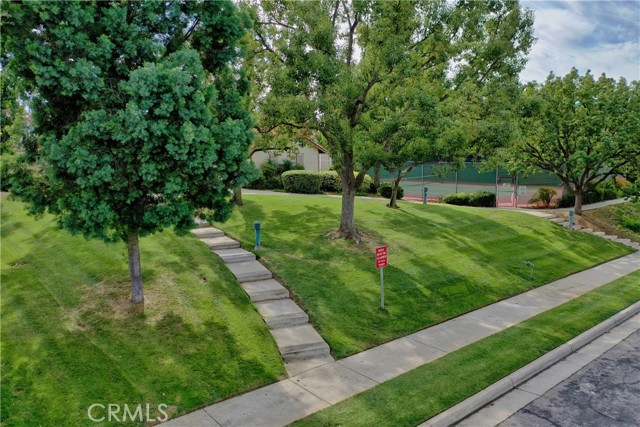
(69, 338)
(424, 392)
(444, 261)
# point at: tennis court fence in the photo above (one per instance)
(439, 180)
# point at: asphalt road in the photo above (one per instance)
(605, 393)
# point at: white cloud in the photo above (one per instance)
(601, 37)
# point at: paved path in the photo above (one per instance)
(559, 210)
(599, 385)
(300, 345)
(283, 402)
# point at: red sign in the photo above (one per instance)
(381, 256)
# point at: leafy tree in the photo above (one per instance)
(139, 110)
(582, 129)
(401, 133)
(326, 66)
(631, 172)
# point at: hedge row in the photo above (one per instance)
(332, 183)
(483, 199)
(270, 177)
(309, 182)
(306, 182)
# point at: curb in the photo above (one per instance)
(467, 407)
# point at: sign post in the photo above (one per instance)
(381, 263)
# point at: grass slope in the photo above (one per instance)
(444, 261)
(430, 389)
(622, 220)
(69, 338)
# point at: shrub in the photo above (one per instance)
(483, 199)
(567, 200)
(367, 185)
(460, 199)
(608, 190)
(331, 182)
(271, 174)
(543, 196)
(386, 189)
(300, 181)
(631, 223)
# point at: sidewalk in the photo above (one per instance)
(543, 212)
(283, 402)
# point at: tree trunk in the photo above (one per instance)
(578, 206)
(347, 225)
(376, 177)
(394, 191)
(347, 228)
(237, 196)
(135, 272)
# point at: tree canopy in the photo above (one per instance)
(582, 129)
(332, 66)
(138, 107)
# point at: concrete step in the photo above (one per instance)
(574, 227)
(635, 245)
(610, 237)
(623, 241)
(587, 230)
(220, 243)
(249, 271)
(201, 223)
(300, 342)
(557, 220)
(281, 313)
(230, 256)
(264, 290)
(205, 232)
(599, 233)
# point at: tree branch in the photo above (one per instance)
(360, 102)
(352, 30)
(335, 13)
(266, 46)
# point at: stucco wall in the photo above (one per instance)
(307, 156)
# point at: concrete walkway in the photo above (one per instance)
(312, 390)
(300, 345)
(542, 212)
(593, 205)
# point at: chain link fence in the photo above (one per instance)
(440, 179)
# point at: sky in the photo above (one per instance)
(601, 36)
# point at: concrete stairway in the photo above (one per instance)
(300, 345)
(563, 222)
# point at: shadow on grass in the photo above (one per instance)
(69, 338)
(423, 287)
(58, 360)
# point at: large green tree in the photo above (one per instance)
(139, 110)
(321, 63)
(582, 129)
